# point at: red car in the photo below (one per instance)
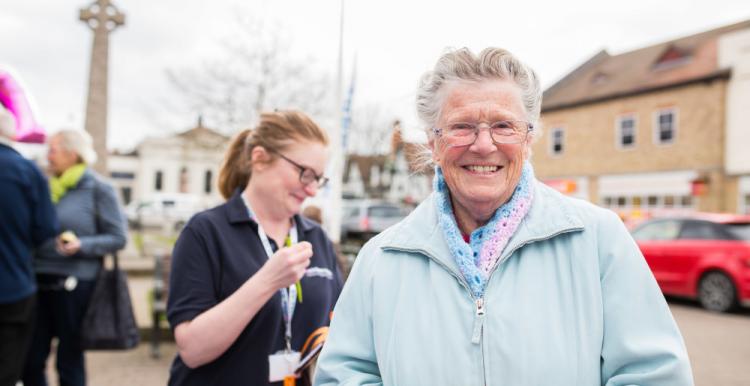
(704, 257)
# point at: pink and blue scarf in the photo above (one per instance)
(478, 258)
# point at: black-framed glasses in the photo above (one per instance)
(506, 132)
(306, 175)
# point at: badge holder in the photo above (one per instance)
(282, 365)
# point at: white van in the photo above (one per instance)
(161, 210)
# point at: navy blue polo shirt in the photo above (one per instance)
(218, 251)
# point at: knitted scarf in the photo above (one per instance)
(58, 186)
(477, 259)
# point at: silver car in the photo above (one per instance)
(363, 219)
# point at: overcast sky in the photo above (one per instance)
(395, 42)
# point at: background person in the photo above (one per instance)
(235, 264)
(67, 266)
(497, 279)
(28, 218)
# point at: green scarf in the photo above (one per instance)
(58, 186)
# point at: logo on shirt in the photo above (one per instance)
(319, 272)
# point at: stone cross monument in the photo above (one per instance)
(102, 17)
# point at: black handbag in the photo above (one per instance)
(109, 322)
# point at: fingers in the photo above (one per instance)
(299, 253)
(288, 264)
(299, 259)
(60, 247)
(67, 248)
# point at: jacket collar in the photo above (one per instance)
(549, 216)
(236, 212)
(88, 179)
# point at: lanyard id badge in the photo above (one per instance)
(288, 295)
(282, 364)
(281, 367)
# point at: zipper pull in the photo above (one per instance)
(478, 321)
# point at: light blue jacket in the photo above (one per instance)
(570, 303)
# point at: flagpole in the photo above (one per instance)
(338, 153)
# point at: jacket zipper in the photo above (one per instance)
(476, 336)
(479, 303)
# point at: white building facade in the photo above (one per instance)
(186, 163)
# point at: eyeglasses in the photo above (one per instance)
(501, 132)
(306, 175)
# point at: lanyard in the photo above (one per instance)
(288, 295)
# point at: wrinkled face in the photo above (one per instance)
(59, 158)
(481, 176)
(280, 179)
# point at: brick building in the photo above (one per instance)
(664, 127)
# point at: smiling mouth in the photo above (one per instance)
(483, 168)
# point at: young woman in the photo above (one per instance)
(252, 279)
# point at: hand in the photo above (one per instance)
(68, 247)
(287, 265)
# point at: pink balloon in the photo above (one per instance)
(13, 98)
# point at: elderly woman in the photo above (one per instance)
(67, 266)
(496, 279)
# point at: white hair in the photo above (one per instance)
(464, 65)
(7, 124)
(79, 142)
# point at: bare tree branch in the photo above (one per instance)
(257, 73)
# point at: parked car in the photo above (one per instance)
(704, 257)
(171, 210)
(363, 219)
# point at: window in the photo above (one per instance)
(207, 182)
(184, 180)
(351, 212)
(701, 230)
(626, 131)
(127, 194)
(122, 175)
(747, 204)
(672, 57)
(741, 231)
(158, 180)
(665, 126)
(384, 211)
(599, 78)
(558, 140)
(657, 230)
(653, 201)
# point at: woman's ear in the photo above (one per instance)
(433, 149)
(259, 158)
(527, 150)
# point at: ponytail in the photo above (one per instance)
(235, 169)
(275, 131)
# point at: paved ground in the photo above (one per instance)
(718, 344)
(124, 368)
(719, 347)
(130, 368)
